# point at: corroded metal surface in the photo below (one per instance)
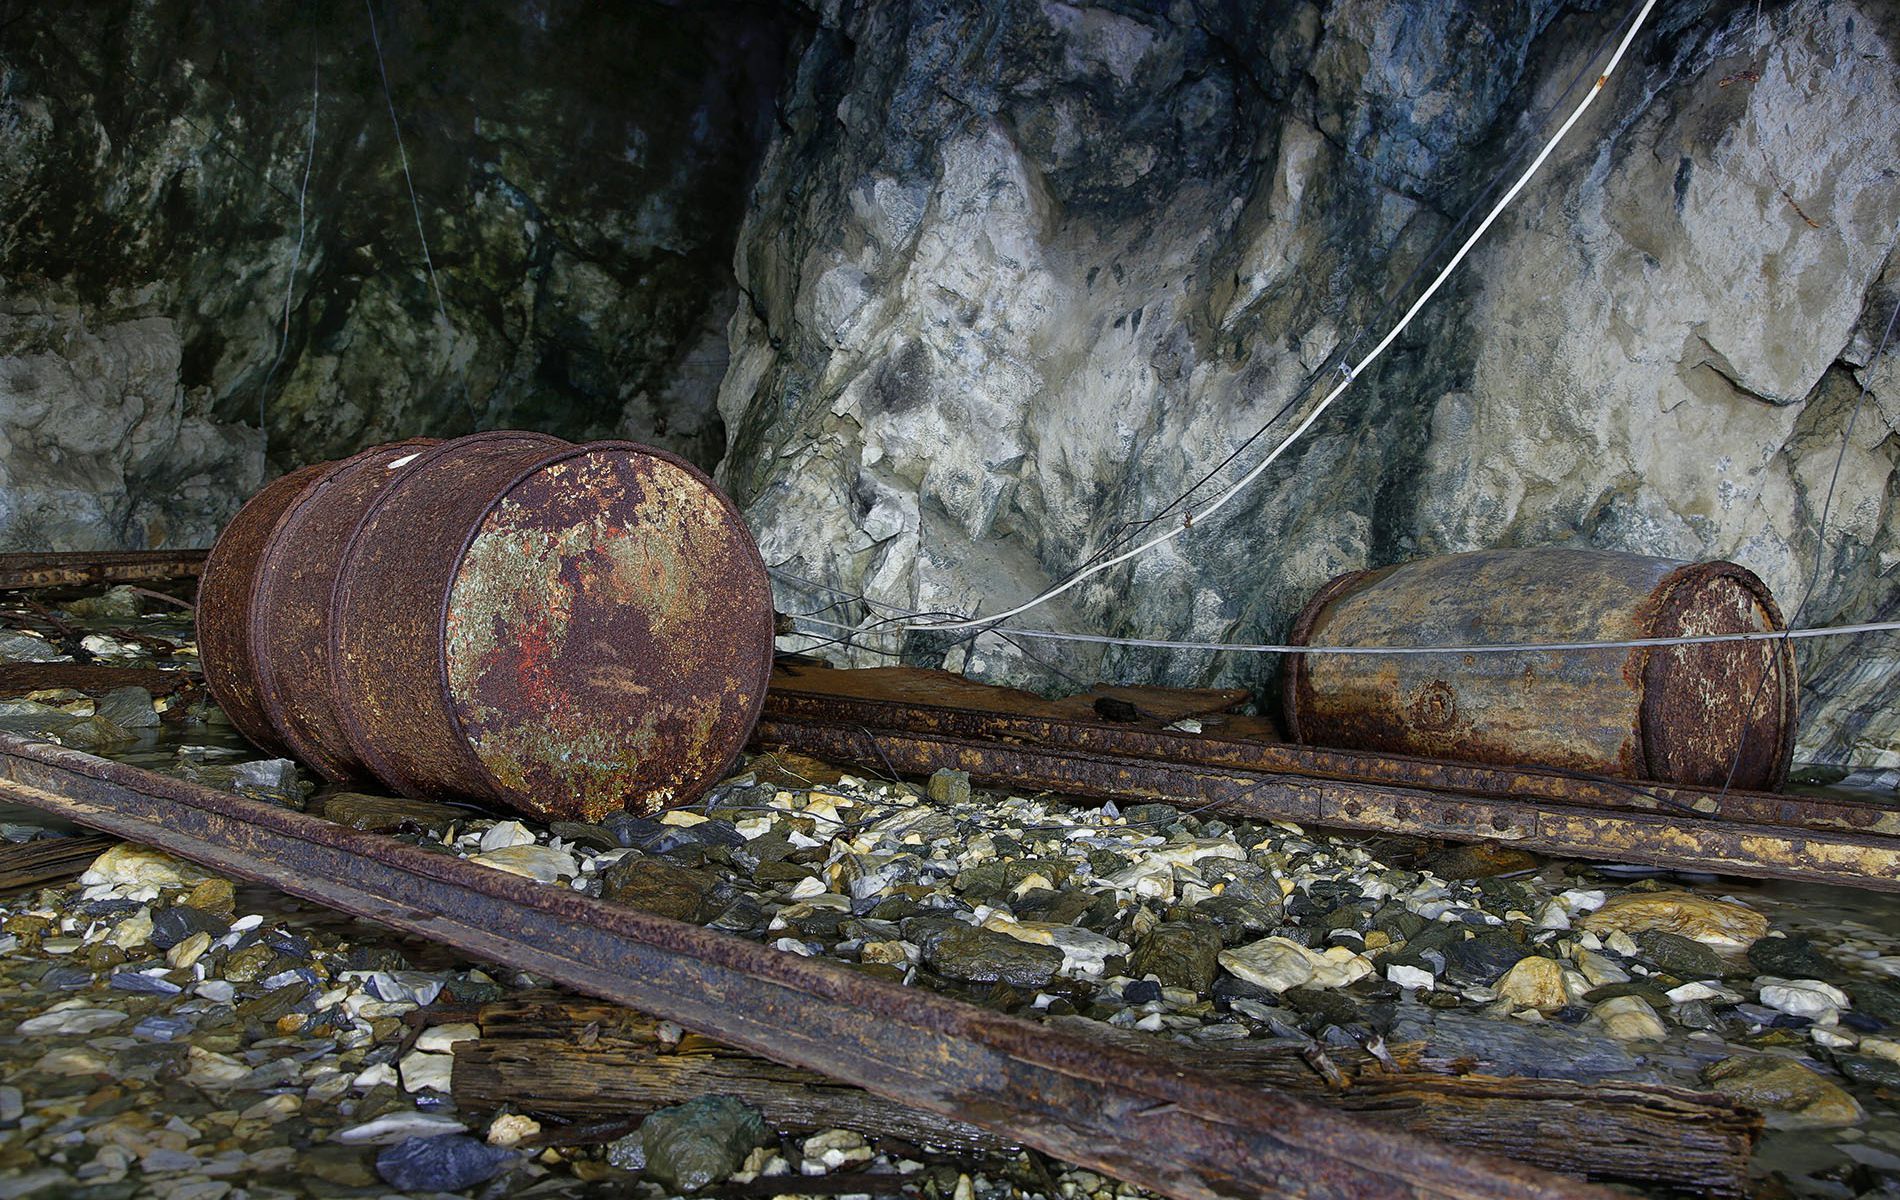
(97, 566)
(224, 603)
(1672, 840)
(1677, 713)
(608, 634)
(386, 613)
(1131, 1114)
(290, 607)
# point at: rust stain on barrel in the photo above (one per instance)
(607, 639)
(1675, 714)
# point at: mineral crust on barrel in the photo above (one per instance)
(1685, 714)
(567, 631)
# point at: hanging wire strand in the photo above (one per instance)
(296, 257)
(1234, 489)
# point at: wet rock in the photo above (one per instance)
(656, 886)
(701, 1142)
(1817, 1001)
(215, 896)
(1870, 1070)
(95, 733)
(1179, 955)
(1484, 957)
(173, 925)
(1534, 982)
(1791, 957)
(1325, 1006)
(578, 833)
(1631, 1020)
(1789, 1095)
(130, 865)
(1874, 998)
(17, 645)
(950, 787)
(128, 708)
(1722, 923)
(440, 1164)
(958, 951)
(1683, 957)
(1241, 919)
(543, 864)
(1278, 963)
(389, 814)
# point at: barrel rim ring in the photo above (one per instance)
(217, 566)
(1785, 666)
(378, 763)
(1293, 677)
(462, 741)
(269, 564)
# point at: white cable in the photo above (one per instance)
(1769, 635)
(402, 152)
(1220, 501)
(296, 257)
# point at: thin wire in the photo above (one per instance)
(1125, 531)
(1351, 373)
(415, 205)
(296, 257)
(1769, 635)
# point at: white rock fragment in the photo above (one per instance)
(423, 1071)
(506, 834)
(1409, 977)
(438, 1039)
(511, 1129)
(1819, 1002)
(398, 1127)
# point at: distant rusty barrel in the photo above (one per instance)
(566, 631)
(1675, 714)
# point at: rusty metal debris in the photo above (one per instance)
(1138, 1117)
(21, 571)
(1009, 738)
(565, 630)
(1684, 714)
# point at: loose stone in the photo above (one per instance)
(447, 1163)
(1789, 1094)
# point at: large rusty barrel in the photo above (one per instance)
(1679, 714)
(565, 630)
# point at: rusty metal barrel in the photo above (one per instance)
(564, 630)
(1679, 714)
(290, 606)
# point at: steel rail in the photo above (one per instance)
(1671, 840)
(1183, 1133)
(832, 697)
(59, 569)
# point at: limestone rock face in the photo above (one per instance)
(1017, 274)
(579, 172)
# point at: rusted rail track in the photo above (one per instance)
(1183, 1133)
(875, 719)
(18, 571)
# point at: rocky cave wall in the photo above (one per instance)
(1008, 275)
(1015, 273)
(579, 171)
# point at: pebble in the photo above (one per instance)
(1278, 963)
(70, 1021)
(1819, 1002)
(444, 1163)
(1631, 1019)
(504, 835)
(398, 1127)
(134, 866)
(1534, 982)
(510, 1129)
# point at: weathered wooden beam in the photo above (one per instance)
(592, 1062)
(17, 679)
(19, 571)
(47, 860)
(1136, 1116)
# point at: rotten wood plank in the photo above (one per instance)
(19, 571)
(586, 1062)
(44, 861)
(1135, 1116)
(1675, 841)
